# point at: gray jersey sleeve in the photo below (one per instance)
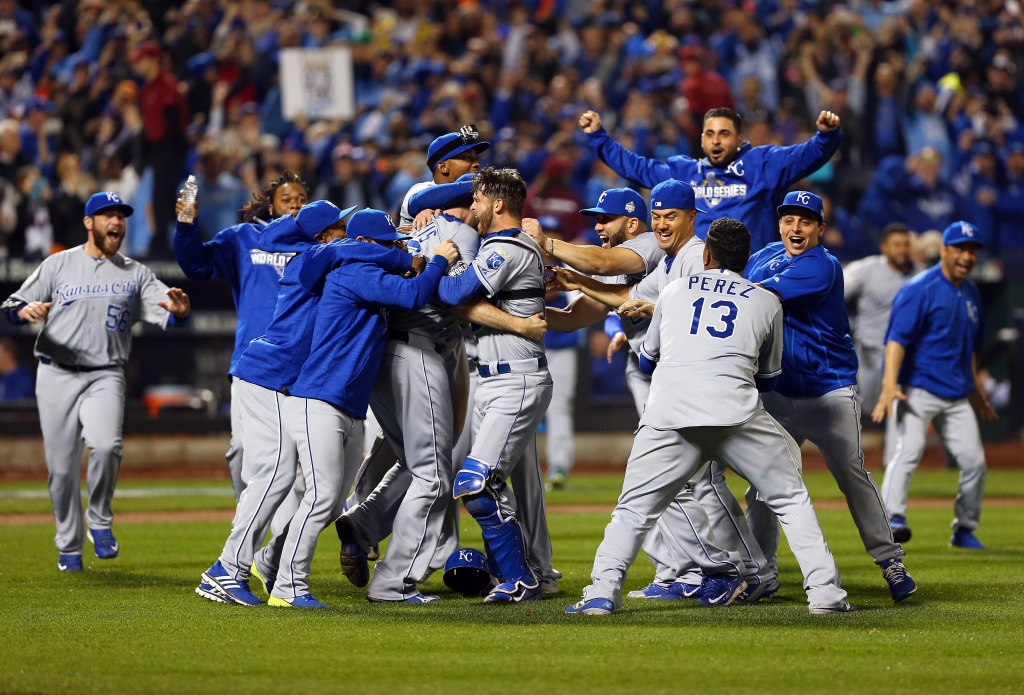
(647, 289)
(853, 277)
(404, 216)
(651, 347)
(151, 291)
(769, 359)
(39, 286)
(646, 246)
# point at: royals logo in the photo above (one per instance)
(496, 259)
(972, 309)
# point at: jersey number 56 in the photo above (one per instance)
(117, 318)
(727, 319)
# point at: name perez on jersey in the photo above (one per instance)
(66, 294)
(721, 286)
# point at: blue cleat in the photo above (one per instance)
(841, 607)
(688, 590)
(420, 597)
(899, 528)
(513, 593)
(354, 564)
(764, 590)
(965, 538)
(105, 543)
(233, 590)
(212, 593)
(595, 606)
(303, 601)
(720, 590)
(901, 584)
(69, 563)
(657, 592)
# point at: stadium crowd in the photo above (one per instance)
(133, 96)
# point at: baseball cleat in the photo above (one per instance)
(901, 584)
(841, 607)
(512, 593)
(303, 601)
(558, 480)
(105, 543)
(548, 587)
(418, 597)
(353, 559)
(595, 606)
(900, 530)
(69, 563)
(720, 590)
(233, 590)
(555, 574)
(254, 571)
(965, 538)
(764, 590)
(212, 593)
(657, 592)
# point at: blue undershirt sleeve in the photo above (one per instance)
(459, 290)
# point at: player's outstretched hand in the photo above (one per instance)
(424, 218)
(635, 308)
(533, 328)
(448, 249)
(564, 280)
(883, 409)
(34, 312)
(827, 121)
(617, 343)
(181, 207)
(590, 121)
(984, 409)
(177, 303)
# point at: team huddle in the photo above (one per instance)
(739, 351)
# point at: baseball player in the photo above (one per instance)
(332, 391)
(733, 179)
(931, 373)
(815, 398)
(715, 338)
(266, 372)
(448, 157)
(872, 283)
(673, 210)
(88, 298)
(234, 254)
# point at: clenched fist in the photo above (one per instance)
(827, 121)
(590, 121)
(448, 249)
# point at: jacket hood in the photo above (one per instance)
(284, 235)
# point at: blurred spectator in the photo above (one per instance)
(925, 127)
(221, 193)
(16, 382)
(704, 89)
(552, 195)
(38, 136)
(911, 192)
(67, 206)
(1008, 209)
(607, 376)
(351, 184)
(15, 83)
(32, 235)
(11, 156)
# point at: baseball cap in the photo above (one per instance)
(458, 194)
(674, 194)
(550, 223)
(107, 200)
(317, 216)
(452, 145)
(804, 200)
(960, 233)
(147, 49)
(619, 201)
(374, 224)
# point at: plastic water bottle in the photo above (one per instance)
(188, 195)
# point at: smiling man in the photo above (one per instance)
(814, 398)
(88, 298)
(931, 371)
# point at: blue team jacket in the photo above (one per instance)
(274, 359)
(234, 254)
(817, 353)
(749, 189)
(941, 327)
(351, 327)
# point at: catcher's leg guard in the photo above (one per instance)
(504, 540)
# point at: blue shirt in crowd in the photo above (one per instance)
(818, 354)
(17, 384)
(748, 190)
(940, 326)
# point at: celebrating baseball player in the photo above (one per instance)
(712, 319)
(931, 373)
(88, 298)
(448, 157)
(733, 179)
(815, 398)
(234, 254)
(872, 283)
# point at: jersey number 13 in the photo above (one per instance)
(726, 321)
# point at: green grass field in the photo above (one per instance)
(133, 624)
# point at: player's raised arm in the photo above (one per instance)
(611, 295)
(649, 172)
(787, 165)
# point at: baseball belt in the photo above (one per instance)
(488, 369)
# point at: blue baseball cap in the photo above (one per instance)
(550, 223)
(961, 233)
(674, 194)
(804, 200)
(619, 201)
(451, 145)
(374, 224)
(107, 200)
(458, 194)
(317, 216)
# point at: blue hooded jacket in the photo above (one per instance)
(749, 189)
(351, 323)
(234, 255)
(274, 359)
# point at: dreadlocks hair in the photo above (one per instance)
(506, 184)
(729, 243)
(259, 206)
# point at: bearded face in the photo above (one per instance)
(106, 230)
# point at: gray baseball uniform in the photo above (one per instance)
(872, 283)
(716, 352)
(404, 217)
(82, 349)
